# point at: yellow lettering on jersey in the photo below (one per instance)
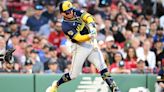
(80, 26)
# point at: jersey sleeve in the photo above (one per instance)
(73, 34)
(86, 17)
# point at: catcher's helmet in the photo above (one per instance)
(65, 6)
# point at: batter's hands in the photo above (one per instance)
(93, 31)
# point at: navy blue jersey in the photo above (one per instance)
(72, 27)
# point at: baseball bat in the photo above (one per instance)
(95, 44)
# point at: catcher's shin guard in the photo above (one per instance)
(63, 79)
(109, 80)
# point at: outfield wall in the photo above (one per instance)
(84, 83)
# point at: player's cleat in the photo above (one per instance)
(116, 89)
(113, 86)
(52, 88)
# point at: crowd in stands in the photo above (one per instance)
(130, 35)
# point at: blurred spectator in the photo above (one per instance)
(46, 29)
(140, 17)
(159, 34)
(109, 41)
(53, 67)
(135, 28)
(157, 21)
(128, 36)
(36, 21)
(159, 52)
(4, 18)
(120, 69)
(125, 11)
(147, 55)
(118, 36)
(35, 43)
(108, 24)
(29, 13)
(25, 33)
(115, 48)
(50, 12)
(13, 26)
(53, 52)
(38, 67)
(105, 6)
(27, 68)
(58, 16)
(20, 47)
(26, 55)
(12, 41)
(120, 22)
(100, 27)
(141, 67)
(43, 42)
(44, 54)
(14, 33)
(92, 7)
(56, 35)
(153, 28)
(135, 43)
(131, 58)
(142, 33)
(76, 4)
(117, 58)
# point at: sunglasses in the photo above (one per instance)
(68, 11)
(135, 26)
(35, 42)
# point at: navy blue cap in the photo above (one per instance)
(38, 7)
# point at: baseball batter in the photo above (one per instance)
(79, 27)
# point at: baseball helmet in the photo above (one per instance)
(65, 6)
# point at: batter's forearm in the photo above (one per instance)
(88, 18)
(81, 38)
